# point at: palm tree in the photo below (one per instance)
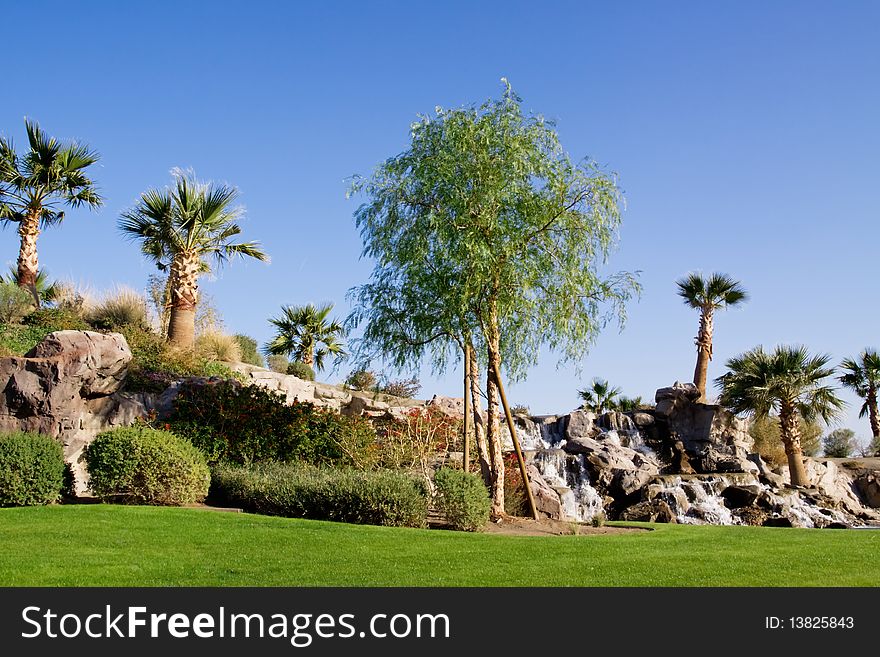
(708, 296)
(46, 291)
(35, 184)
(787, 382)
(599, 397)
(863, 377)
(183, 230)
(305, 333)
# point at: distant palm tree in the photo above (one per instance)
(626, 404)
(34, 184)
(707, 296)
(599, 397)
(863, 377)
(182, 230)
(306, 334)
(787, 382)
(46, 291)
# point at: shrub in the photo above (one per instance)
(31, 469)
(155, 364)
(462, 498)
(415, 439)
(15, 302)
(119, 307)
(216, 346)
(222, 371)
(520, 409)
(278, 363)
(17, 340)
(57, 319)
(406, 388)
(341, 494)
(232, 423)
(141, 465)
(361, 380)
(248, 348)
(301, 370)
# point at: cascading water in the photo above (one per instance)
(568, 475)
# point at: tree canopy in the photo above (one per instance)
(485, 219)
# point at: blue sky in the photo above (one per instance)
(745, 135)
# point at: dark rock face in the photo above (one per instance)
(68, 387)
(736, 497)
(868, 486)
(655, 510)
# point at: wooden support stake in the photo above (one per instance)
(519, 457)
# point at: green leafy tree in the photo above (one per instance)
(36, 184)
(788, 382)
(840, 443)
(184, 230)
(862, 376)
(307, 334)
(708, 295)
(600, 397)
(487, 221)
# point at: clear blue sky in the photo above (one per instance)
(745, 134)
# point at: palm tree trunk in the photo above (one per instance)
(28, 262)
(791, 439)
(872, 412)
(479, 421)
(704, 351)
(493, 435)
(184, 297)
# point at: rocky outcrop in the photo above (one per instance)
(686, 462)
(347, 402)
(68, 387)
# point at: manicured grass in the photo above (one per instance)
(92, 545)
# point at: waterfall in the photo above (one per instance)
(568, 475)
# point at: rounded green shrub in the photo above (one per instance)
(301, 370)
(31, 469)
(462, 498)
(299, 490)
(140, 465)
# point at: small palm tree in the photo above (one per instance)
(599, 397)
(183, 230)
(788, 382)
(35, 184)
(305, 334)
(707, 296)
(862, 375)
(46, 290)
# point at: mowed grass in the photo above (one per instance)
(104, 545)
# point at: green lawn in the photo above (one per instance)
(103, 545)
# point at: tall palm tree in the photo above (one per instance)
(306, 334)
(599, 397)
(707, 296)
(35, 184)
(787, 382)
(863, 377)
(184, 230)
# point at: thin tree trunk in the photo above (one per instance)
(493, 435)
(791, 439)
(479, 422)
(704, 351)
(184, 297)
(465, 423)
(28, 262)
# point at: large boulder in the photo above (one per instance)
(655, 510)
(68, 387)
